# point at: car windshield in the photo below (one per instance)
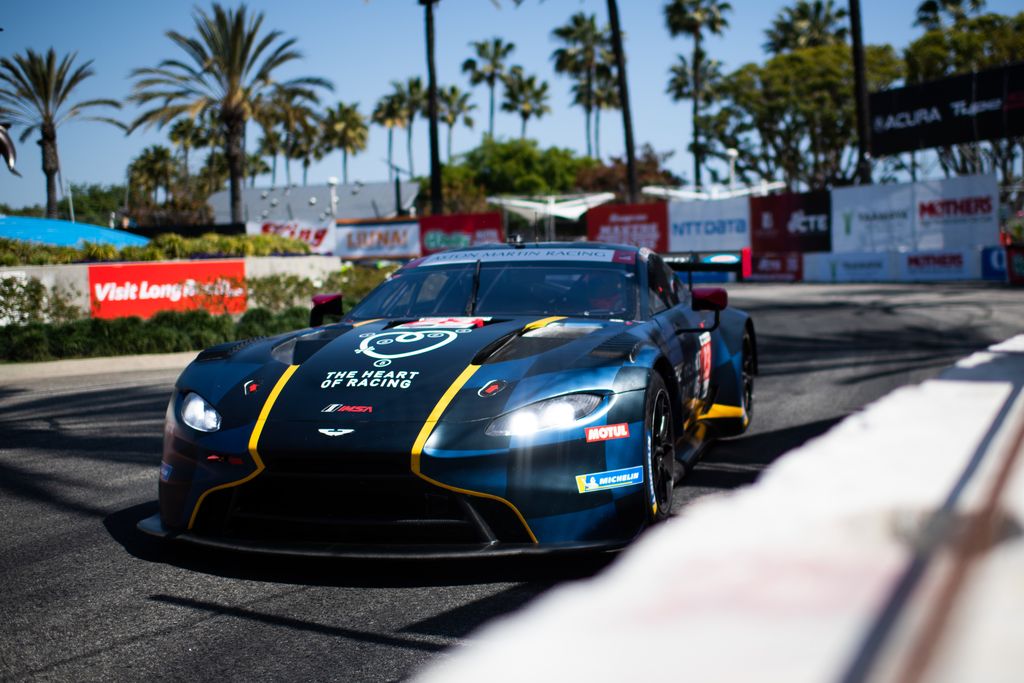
(600, 290)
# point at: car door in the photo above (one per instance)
(669, 306)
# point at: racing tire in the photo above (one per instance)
(659, 450)
(747, 372)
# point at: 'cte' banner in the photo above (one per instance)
(142, 289)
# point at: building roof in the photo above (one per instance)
(312, 203)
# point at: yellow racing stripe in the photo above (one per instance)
(543, 322)
(254, 439)
(720, 410)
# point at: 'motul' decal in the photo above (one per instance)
(607, 432)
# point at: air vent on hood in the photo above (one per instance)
(297, 350)
(222, 351)
(620, 346)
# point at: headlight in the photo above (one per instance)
(549, 414)
(198, 414)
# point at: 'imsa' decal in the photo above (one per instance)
(613, 479)
(607, 432)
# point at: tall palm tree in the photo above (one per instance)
(153, 170)
(930, 12)
(525, 96)
(808, 23)
(695, 18)
(34, 93)
(582, 51)
(270, 145)
(291, 111)
(255, 166)
(307, 144)
(412, 98)
(186, 135)
(345, 130)
(488, 67)
(390, 114)
(606, 96)
(455, 106)
(229, 66)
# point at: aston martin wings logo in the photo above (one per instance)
(335, 432)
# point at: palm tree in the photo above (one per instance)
(186, 135)
(807, 24)
(412, 99)
(583, 50)
(455, 105)
(693, 18)
(525, 96)
(152, 170)
(489, 69)
(229, 66)
(270, 145)
(307, 143)
(390, 114)
(345, 129)
(34, 93)
(930, 12)
(255, 166)
(606, 96)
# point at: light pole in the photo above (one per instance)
(732, 153)
(332, 183)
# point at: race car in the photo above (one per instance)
(489, 400)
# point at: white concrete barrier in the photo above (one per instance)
(836, 565)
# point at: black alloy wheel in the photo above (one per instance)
(747, 377)
(660, 464)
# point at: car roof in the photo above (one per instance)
(589, 252)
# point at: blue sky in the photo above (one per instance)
(362, 45)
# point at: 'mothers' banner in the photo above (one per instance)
(142, 289)
(717, 225)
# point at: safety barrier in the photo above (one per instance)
(887, 549)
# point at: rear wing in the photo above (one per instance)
(691, 262)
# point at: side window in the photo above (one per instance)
(673, 285)
(659, 290)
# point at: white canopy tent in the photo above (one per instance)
(681, 194)
(549, 207)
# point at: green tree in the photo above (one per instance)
(154, 170)
(308, 144)
(255, 165)
(389, 114)
(345, 130)
(695, 18)
(488, 67)
(270, 145)
(808, 23)
(35, 90)
(606, 96)
(229, 66)
(525, 96)
(612, 177)
(584, 49)
(931, 12)
(455, 106)
(521, 167)
(185, 135)
(411, 100)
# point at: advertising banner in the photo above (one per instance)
(1015, 264)
(993, 264)
(873, 218)
(438, 233)
(851, 267)
(790, 222)
(925, 266)
(379, 239)
(320, 238)
(983, 105)
(641, 225)
(777, 267)
(957, 213)
(142, 289)
(716, 225)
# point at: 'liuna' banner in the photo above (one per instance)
(320, 238)
(438, 233)
(716, 225)
(397, 238)
(640, 225)
(142, 289)
(790, 222)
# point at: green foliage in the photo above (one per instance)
(276, 293)
(520, 167)
(29, 300)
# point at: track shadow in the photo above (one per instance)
(543, 571)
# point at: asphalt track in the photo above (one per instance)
(83, 596)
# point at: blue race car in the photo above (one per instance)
(491, 400)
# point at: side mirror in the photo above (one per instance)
(710, 299)
(324, 305)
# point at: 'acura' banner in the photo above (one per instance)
(717, 225)
(142, 289)
(790, 222)
(984, 105)
(640, 225)
(438, 233)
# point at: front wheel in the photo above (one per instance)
(660, 455)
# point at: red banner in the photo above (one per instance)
(1015, 264)
(777, 267)
(438, 233)
(641, 225)
(791, 222)
(142, 289)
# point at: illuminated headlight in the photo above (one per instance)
(198, 414)
(550, 414)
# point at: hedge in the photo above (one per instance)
(165, 332)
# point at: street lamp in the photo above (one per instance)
(732, 153)
(332, 183)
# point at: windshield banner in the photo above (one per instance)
(438, 233)
(639, 225)
(379, 239)
(716, 225)
(142, 289)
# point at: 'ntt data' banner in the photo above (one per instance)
(716, 225)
